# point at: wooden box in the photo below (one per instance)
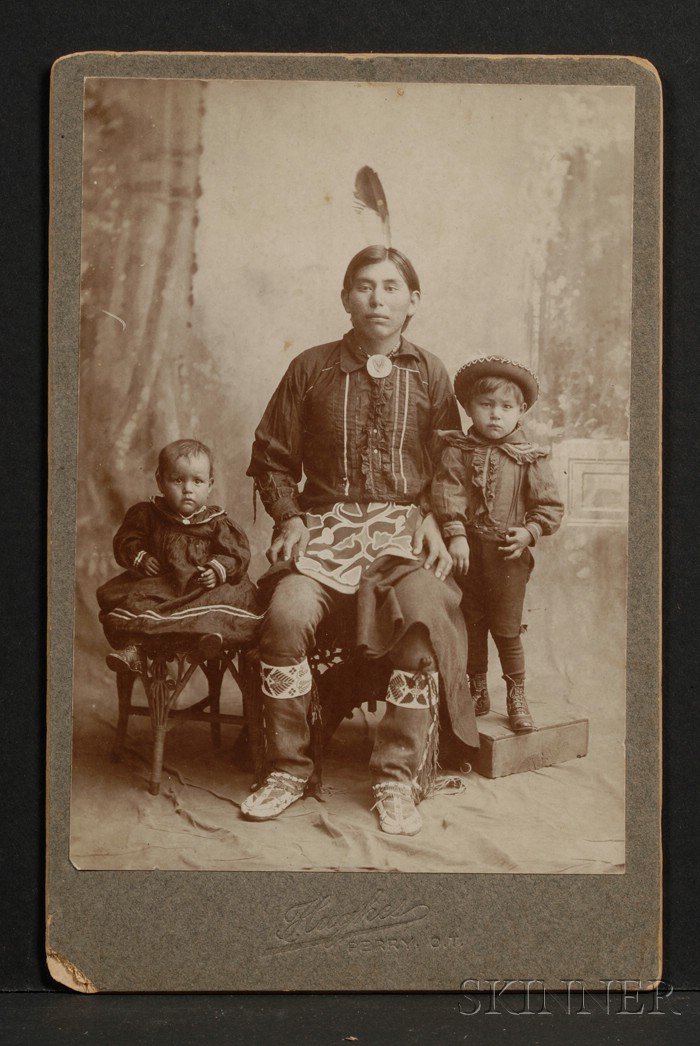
(559, 736)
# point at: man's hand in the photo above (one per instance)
(150, 566)
(517, 540)
(459, 550)
(427, 537)
(289, 540)
(207, 577)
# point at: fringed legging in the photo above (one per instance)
(405, 746)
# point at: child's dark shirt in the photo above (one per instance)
(484, 487)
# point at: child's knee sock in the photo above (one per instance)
(478, 649)
(512, 655)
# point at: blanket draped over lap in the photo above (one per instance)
(367, 549)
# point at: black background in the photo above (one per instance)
(33, 36)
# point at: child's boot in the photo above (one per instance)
(480, 693)
(129, 659)
(521, 721)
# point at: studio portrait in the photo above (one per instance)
(352, 483)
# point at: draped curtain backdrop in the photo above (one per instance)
(144, 374)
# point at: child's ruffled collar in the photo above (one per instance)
(516, 444)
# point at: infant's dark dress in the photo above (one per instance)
(174, 603)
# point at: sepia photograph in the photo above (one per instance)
(352, 476)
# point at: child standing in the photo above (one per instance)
(186, 564)
(494, 495)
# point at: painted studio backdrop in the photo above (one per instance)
(218, 219)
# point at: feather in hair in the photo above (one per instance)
(370, 196)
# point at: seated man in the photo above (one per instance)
(357, 417)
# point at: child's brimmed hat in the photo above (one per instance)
(496, 367)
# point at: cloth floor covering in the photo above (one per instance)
(562, 819)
